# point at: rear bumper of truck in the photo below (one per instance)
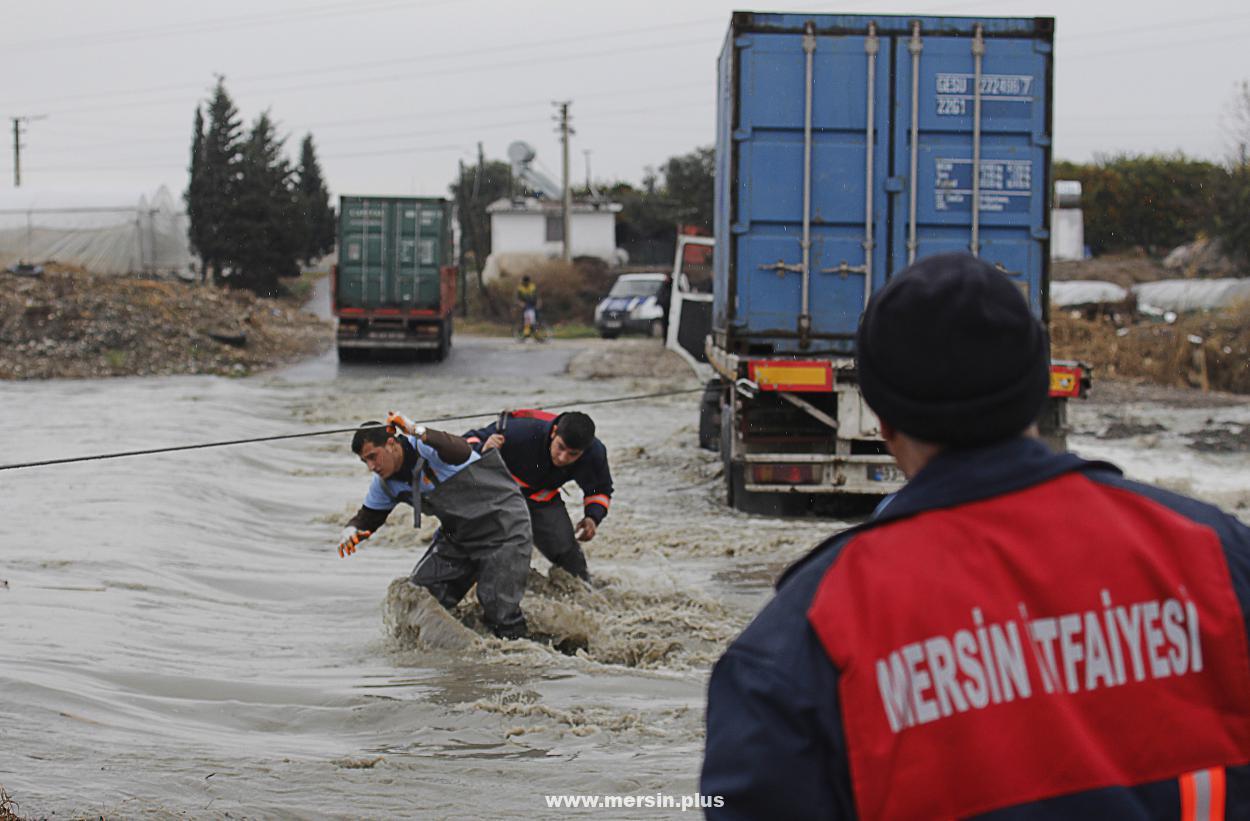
(374, 343)
(869, 474)
(801, 426)
(391, 333)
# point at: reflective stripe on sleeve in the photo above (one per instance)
(544, 495)
(1202, 795)
(598, 499)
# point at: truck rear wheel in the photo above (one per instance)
(709, 415)
(444, 341)
(760, 504)
(736, 494)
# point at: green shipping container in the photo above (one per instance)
(390, 252)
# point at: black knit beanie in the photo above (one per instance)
(948, 352)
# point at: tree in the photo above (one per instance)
(214, 183)
(646, 226)
(689, 183)
(195, 195)
(1232, 211)
(319, 228)
(1149, 202)
(477, 187)
(267, 211)
(1237, 125)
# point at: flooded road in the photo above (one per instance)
(178, 636)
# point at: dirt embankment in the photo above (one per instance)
(70, 324)
(1125, 270)
(1208, 350)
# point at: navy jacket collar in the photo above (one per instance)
(957, 477)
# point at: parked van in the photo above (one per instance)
(636, 304)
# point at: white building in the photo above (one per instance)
(535, 226)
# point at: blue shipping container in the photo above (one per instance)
(871, 136)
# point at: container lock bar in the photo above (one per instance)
(746, 388)
(978, 55)
(805, 316)
(845, 269)
(914, 47)
(871, 47)
(781, 266)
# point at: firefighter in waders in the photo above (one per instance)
(484, 534)
(1018, 634)
(544, 451)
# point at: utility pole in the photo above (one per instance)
(567, 209)
(586, 151)
(18, 124)
(462, 207)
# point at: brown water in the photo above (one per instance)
(178, 636)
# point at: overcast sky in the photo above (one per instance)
(396, 92)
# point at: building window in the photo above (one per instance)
(555, 228)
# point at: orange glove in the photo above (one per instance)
(349, 538)
(397, 421)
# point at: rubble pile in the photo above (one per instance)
(71, 324)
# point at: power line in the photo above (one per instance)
(439, 58)
(254, 440)
(356, 122)
(609, 118)
(475, 68)
(1171, 25)
(1167, 44)
(285, 17)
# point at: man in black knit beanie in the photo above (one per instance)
(1017, 634)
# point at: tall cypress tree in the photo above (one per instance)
(194, 195)
(267, 212)
(314, 198)
(221, 159)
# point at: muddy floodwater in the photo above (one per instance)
(179, 638)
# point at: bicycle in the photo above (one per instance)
(530, 325)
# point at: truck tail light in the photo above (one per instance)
(1068, 379)
(791, 375)
(785, 474)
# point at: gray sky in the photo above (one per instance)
(395, 92)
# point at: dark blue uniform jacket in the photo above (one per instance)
(1018, 634)
(527, 453)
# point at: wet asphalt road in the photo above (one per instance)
(494, 357)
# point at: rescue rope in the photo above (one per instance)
(228, 443)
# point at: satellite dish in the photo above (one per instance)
(521, 153)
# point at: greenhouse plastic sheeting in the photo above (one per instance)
(101, 232)
(1182, 295)
(1085, 292)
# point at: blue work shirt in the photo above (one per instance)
(400, 485)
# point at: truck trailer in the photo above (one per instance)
(394, 287)
(848, 146)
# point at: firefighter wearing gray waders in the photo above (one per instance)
(484, 534)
